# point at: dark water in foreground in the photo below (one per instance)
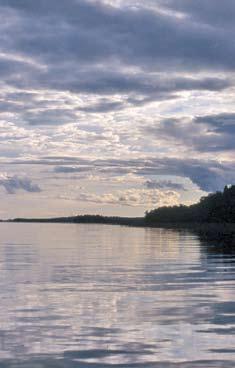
(109, 296)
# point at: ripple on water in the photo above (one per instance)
(104, 296)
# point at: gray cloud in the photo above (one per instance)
(14, 183)
(164, 184)
(88, 47)
(51, 31)
(138, 90)
(71, 169)
(49, 117)
(109, 83)
(103, 106)
(210, 133)
(69, 39)
(223, 123)
(94, 67)
(101, 81)
(208, 175)
(215, 13)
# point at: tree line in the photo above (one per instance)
(217, 207)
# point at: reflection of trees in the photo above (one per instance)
(223, 247)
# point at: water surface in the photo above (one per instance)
(111, 296)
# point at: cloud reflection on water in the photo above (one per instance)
(105, 295)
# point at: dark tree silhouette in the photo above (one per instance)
(218, 207)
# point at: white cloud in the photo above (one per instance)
(130, 197)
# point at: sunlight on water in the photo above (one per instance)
(103, 296)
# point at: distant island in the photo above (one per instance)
(213, 216)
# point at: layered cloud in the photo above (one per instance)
(64, 32)
(117, 96)
(208, 175)
(209, 133)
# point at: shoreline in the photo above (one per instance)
(220, 232)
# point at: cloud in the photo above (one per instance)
(92, 47)
(209, 133)
(14, 183)
(49, 117)
(103, 106)
(116, 89)
(71, 169)
(131, 197)
(86, 47)
(51, 32)
(164, 184)
(215, 13)
(219, 123)
(134, 89)
(208, 175)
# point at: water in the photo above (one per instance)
(110, 296)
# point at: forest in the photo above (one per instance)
(217, 207)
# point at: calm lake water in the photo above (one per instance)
(109, 296)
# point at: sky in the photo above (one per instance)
(114, 107)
